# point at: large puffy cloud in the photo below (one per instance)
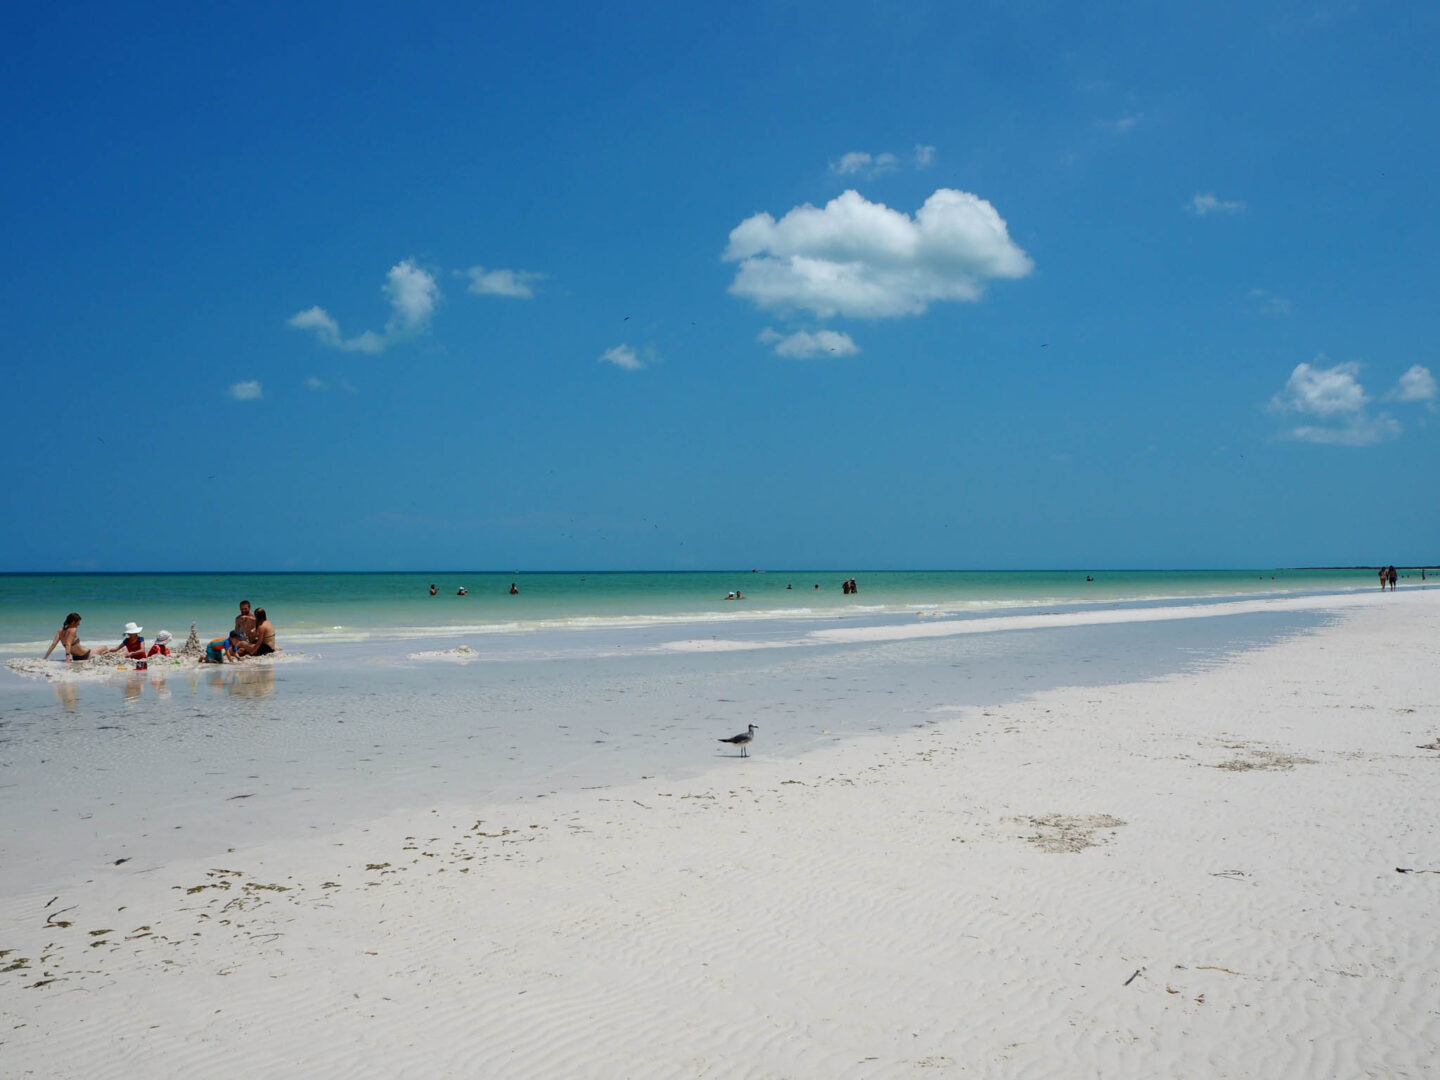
(1323, 391)
(865, 260)
(1335, 397)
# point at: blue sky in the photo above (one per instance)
(778, 285)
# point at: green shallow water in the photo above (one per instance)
(365, 606)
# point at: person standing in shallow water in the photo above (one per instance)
(1393, 574)
(433, 590)
(1384, 577)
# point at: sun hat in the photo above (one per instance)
(163, 636)
(131, 628)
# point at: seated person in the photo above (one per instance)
(217, 650)
(162, 644)
(132, 644)
(68, 637)
(264, 643)
(245, 622)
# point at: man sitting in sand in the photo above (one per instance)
(245, 622)
(264, 643)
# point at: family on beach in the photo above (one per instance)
(254, 635)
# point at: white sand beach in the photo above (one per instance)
(1191, 876)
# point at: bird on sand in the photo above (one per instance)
(744, 739)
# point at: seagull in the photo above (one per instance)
(744, 739)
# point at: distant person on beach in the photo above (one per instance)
(68, 638)
(514, 589)
(217, 650)
(433, 590)
(245, 622)
(461, 591)
(1384, 577)
(1392, 573)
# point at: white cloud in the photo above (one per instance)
(327, 330)
(1201, 205)
(863, 164)
(803, 344)
(1335, 396)
(312, 383)
(1322, 391)
(1360, 430)
(863, 259)
(514, 283)
(1123, 124)
(1270, 304)
(245, 391)
(924, 155)
(1417, 384)
(413, 294)
(622, 356)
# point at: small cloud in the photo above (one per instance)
(1268, 303)
(413, 293)
(1417, 384)
(1322, 391)
(1335, 397)
(324, 386)
(623, 357)
(1359, 431)
(924, 156)
(1122, 125)
(519, 284)
(327, 330)
(859, 163)
(862, 259)
(1201, 205)
(245, 391)
(803, 344)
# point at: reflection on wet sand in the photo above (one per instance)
(255, 682)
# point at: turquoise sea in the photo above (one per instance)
(313, 609)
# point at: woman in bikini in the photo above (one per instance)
(68, 636)
(264, 643)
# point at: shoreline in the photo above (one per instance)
(1195, 873)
